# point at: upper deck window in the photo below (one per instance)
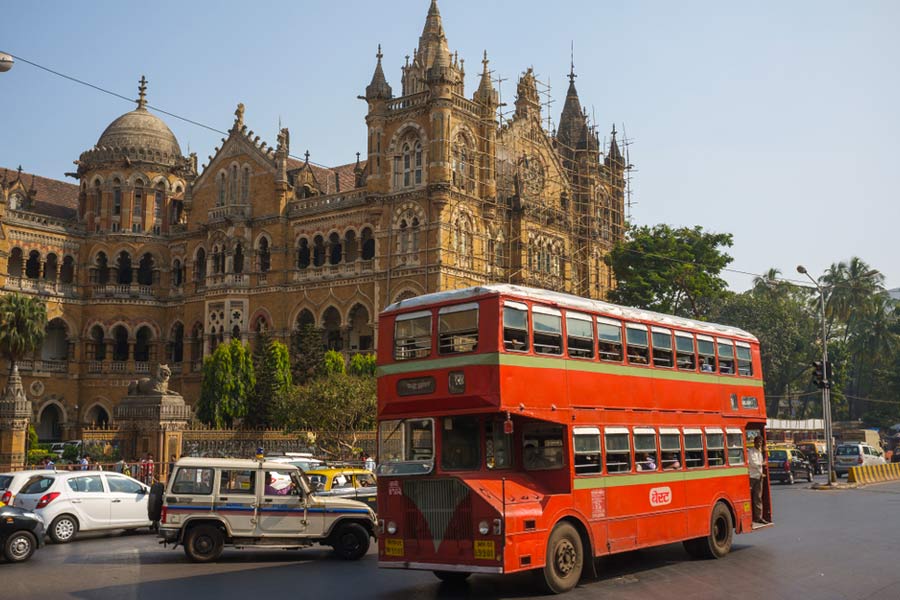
(412, 335)
(579, 335)
(662, 347)
(684, 351)
(744, 359)
(609, 333)
(458, 329)
(638, 344)
(707, 351)
(515, 326)
(547, 330)
(726, 356)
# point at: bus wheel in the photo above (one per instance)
(452, 577)
(565, 559)
(721, 533)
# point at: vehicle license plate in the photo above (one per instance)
(393, 547)
(484, 549)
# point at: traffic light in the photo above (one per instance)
(829, 375)
(818, 373)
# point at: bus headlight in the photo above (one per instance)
(456, 382)
(483, 528)
(391, 527)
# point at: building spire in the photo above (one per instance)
(142, 94)
(379, 87)
(433, 42)
(485, 92)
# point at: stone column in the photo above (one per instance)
(15, 413)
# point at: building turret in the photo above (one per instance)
(379, 88)
(527, 101)
(572, 124)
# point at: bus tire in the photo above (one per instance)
(565, 560)
(721, 535)
(452, 577)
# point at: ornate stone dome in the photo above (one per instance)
(141, 130)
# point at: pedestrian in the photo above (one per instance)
(120, 466)
(85, 462)
(147, 469)
(49, 464)
(369, 462)
(757, 465)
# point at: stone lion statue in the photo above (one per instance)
(158, 384)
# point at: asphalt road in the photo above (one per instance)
(825, 545)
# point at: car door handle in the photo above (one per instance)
(76, 501)
(117, 500)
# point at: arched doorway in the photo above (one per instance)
(97, 416)
(49, 426)
(361, 335)
(331, 324)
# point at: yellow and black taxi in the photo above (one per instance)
(787, 463)
(21, 533)
(345, 482)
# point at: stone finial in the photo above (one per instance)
(142, 94)
(306, 155)
(239, 116)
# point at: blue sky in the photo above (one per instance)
(778, 122)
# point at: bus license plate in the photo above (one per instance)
(393, 547)
(484, 549)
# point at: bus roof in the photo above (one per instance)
(567, 301)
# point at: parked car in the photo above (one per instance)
(85, 501)
(11, 483)
(212, 503)
(856, 454)
(816, 452)
(346, 482)
(21, 533)
(787, 464)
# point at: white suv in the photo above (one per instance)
(74, 501)
(211, 503)
(855, 454)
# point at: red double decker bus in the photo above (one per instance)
(521, 429)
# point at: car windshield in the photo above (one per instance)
(847, 450)
(406, 446)
(777, 455)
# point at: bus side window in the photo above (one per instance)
(715, 448)
(579, 335)
(542, 446)
(684, 346)
(726, 357)
(662, 347)
(744, 360)
(693, 450)
(588, 458)
(609, 335)
(618, 451)
(515, 327)
(735, 446)
(638, 344)
(547, 324)
(707, 351)
(645, 453)
(670, 445)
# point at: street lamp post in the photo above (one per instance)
(826, 391)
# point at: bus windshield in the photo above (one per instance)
(406, 447)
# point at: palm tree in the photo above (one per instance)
(851, 287)
(22, 326)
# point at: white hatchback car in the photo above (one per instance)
(11, 483)
(70, 502)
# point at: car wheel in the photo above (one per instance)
(452, 577)
(19, 546)
(351, 541)
(204, 543)
(63, 529)
(565, 560)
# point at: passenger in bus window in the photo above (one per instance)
(671, 462)
(647, 463)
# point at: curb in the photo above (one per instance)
(874, 473)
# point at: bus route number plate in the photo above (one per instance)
(484, 549)
(393, 547)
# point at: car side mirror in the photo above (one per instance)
(142, 491)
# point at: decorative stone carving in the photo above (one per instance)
(148, 385)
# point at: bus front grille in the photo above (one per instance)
(438, 509)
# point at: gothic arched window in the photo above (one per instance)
(245, 186)
(220, 190)
(232, 194)
(137, 207)
(117, 198)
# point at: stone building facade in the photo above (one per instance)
(151, 259)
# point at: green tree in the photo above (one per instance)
(272, 367)
(333, 363)
(362, 364)
(306, 350)
(228, 381)
(23, 322)
(336, 408)
(674, 271)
